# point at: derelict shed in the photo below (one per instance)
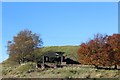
(53, 57)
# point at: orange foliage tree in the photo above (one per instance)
(23, 46)
(103, 50)
(114, 49)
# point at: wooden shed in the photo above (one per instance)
(53, 59)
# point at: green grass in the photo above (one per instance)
(70, 51)
(76, 71)
(19, 70)
(8, 66)
(9, 63)
(26, 67)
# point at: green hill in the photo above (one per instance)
(27, 70)
(69, 51)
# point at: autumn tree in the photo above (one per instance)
(103, 50)
(91, 51)
(114, 49)
(23, 46)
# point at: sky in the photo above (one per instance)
(58, 23)
(60, 0)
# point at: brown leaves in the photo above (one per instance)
(24, 44)
(102, 50)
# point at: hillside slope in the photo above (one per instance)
(69, 51)
(27, 70)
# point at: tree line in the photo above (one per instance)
(103, 50)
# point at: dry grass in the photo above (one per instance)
(65, 72)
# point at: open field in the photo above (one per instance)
(28, 70)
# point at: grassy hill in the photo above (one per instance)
(12, 69)
(69, 51)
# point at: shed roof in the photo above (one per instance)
(53, 54)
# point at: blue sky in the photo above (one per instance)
(68, 23)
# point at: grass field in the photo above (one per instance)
(29, 70)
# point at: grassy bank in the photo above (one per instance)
(28, 70)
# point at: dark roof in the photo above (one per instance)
(53, 54)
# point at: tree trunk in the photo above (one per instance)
(115, 67)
